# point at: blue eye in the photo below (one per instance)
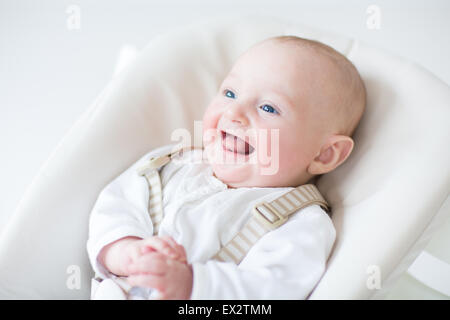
(268, 108)
(230, 94)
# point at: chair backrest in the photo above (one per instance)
(385, 198)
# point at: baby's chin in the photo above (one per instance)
(232, 177)
(241, 175)
(232, 173)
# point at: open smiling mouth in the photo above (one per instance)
(232, 143)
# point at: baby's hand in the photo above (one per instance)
(117, 256)
(172, 278)
(165, 245)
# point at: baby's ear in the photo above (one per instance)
(332, 154)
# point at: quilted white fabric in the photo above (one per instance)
(385, 198)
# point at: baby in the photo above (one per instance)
(312, 97)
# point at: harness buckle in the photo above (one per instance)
(264, 220)
(153, 164)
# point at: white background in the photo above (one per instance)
(49, 74)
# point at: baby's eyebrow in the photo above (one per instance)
(232, 75)
(285, 100)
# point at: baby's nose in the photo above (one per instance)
(236, 115)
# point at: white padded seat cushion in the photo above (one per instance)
(385, 198)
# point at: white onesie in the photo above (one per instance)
(203, 214)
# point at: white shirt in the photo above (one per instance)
(203, 214)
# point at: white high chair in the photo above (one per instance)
(387, 199)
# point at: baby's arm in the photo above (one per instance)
(284, 264)
(121, 211)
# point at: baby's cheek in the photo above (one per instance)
(209, 124)
(292, 158)
(209, 121)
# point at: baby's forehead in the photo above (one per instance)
(281, 64)
(276, 47)
(320, 75)
(310, 60)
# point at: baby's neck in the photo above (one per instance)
(313, 180)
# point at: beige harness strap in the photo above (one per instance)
(155, 206)
(265, 217)
(150, 172)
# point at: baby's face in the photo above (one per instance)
(260, 130)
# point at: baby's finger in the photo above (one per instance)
(158, 244)
(154, 263)
(178, 249)
(170, 241)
